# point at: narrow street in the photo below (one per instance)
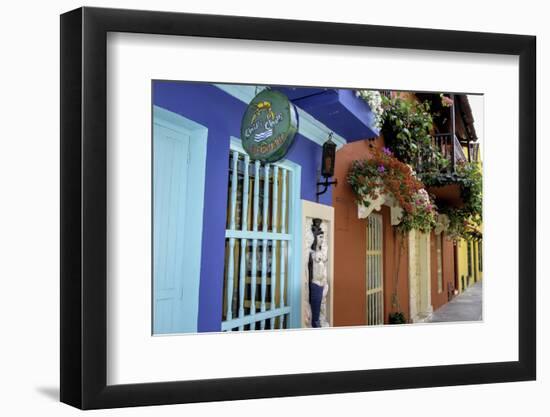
(464, 307)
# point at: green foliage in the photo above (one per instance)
(397, 318)
(407, 128)
(464, 221)
(407, 132)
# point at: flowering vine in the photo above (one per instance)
(446, 101)
(385, 174)
(374, 100)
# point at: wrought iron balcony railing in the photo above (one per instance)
(448, 146)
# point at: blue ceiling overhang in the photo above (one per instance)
(338, 109)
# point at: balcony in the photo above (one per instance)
(438, 169)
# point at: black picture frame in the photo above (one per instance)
(84, 207)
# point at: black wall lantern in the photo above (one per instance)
(327, 165)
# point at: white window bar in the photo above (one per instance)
(282, 250)
(254, 242)
(264, 243)
(273, 242)
(231, 269)
(244, 227)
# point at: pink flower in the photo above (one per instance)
(386, 150)
(381, 169)
(446, 101)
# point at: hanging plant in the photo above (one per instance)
(464, 221)
(383, 173)
(407, 128)
(374, 100)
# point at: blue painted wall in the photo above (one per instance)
(338, 109)
(221, 114)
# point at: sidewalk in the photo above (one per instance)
(464, 307)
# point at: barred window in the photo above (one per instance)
(375, 280)
(258, 245)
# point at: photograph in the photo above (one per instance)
(295, 207)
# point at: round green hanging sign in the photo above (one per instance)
(268, 127)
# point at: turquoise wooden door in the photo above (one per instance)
(172, 312)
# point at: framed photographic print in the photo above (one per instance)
(257, 208)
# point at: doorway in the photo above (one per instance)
(179, 169)
(419, 276)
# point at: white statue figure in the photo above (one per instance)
(318, 276)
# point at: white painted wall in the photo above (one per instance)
(29, 212)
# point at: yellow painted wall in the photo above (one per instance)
(468, 276)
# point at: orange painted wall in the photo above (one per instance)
(350, 242)
(350, 247)
(438, 299)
